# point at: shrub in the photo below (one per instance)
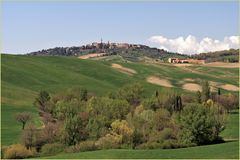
(149, 145)
(122, 128)
(82, 147)
(17, 151)
(3, 149)
(167, 144)
(109, 141)
(229, 102)
(200, 124)
(166, 134)
(50, 149)
(33, 137)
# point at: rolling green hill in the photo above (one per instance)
(219, 151)
(24, 76)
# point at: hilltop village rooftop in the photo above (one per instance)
(177, 60)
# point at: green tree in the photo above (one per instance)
(162, 119)
(41, 100)
(68, 109)
(79, 93)
(151, 103)
(132, 93)
(205, 91)
(173, 103)
(121, 127)
(75, 129)
(103, 111)
(200, 124)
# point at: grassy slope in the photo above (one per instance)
(24, 76)
(218, 151)
(232, 126)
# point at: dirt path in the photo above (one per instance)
(123, 69)
(222, 64)
(158, 81)
(192, 87)
(91, 55)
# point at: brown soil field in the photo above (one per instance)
(222, 64)
(229, 87)
(192, 87)
(123, 69)
(159, 81)
(182, 64)
(91, 55)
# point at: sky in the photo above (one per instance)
(184, 27)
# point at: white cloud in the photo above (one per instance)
(190, 44)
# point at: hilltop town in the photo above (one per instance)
(137, 52)
(132, 52)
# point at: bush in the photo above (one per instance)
(166, 133)
(17, 151)
(200, 124)
(82, 147)
(3, 149)
(109, 141)
(149, 145)
(167, 144)
(50, 149)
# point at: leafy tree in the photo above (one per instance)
(162, 119)
(132, 93)
(79, 93)
(97, 126)
(173, 103)
(32, 137)
(151, 103)
(121, 127)
(205, 91)
(23, 118)
(41, 100)
(75, 129)
(200, 124)
(68, 109)
(103, 111)
(145, 121)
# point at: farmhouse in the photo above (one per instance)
(176, 60)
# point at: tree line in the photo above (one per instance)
(76, 120)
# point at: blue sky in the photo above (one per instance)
(31, 26)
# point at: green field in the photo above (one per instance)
(24, 76)
(220, 151)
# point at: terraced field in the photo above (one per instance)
(24, 76)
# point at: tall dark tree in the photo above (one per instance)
(42, 100)
(178, 104)
(205, 91)
(156, 94)
(198, 97)
(219, 91)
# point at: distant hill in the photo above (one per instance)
(132, 52)
(135, 52)
(231, 55)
